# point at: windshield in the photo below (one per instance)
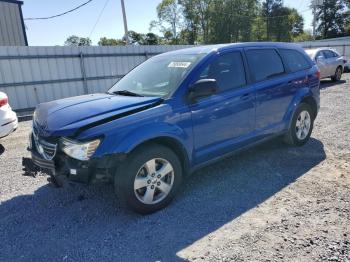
(158, 76)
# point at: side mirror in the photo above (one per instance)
(203, 88)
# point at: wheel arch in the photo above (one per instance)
(312, 103)
(171, 143)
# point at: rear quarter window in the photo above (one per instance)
(294, 60)
(264, 64)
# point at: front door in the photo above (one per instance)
(228, 117)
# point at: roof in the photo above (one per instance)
(206, 49)
(312, 51)
(12, 2)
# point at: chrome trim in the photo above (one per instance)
(44, 148)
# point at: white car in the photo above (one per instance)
(329, 61)
(8, 118)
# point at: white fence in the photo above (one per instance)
(32, 75)
(342, 45)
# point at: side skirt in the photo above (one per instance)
(235, 152)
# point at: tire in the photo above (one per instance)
(156, 188)
(337, 75)
(294, 136)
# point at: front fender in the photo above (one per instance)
(150, 132)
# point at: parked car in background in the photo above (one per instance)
(8, 118)
(329, 61)
(347, 66)
(175, 113)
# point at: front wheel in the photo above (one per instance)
(301, 127)
(149, 178)
(337, 75)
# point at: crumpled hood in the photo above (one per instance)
(65, 116)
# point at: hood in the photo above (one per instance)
(64, 117)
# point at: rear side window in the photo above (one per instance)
(264, 64)
(227, 70)
(294, 60)
(329, 54)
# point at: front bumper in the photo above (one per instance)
(95, 170)
(8, 125)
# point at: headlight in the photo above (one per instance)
(78, 150)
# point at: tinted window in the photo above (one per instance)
(228, 70)
(334, 54)
(329, 54)
(294, 60)
(264, 63)
(319, 54)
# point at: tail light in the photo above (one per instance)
(3, 101)
(318, 74)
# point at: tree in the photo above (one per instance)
(281, 23)
(169, 14)
(110, 42)
(197, 16)
(331, 18)
(305, 36)
(77, 41)
(151, 39)
(135, 38)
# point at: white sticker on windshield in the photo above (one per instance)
(179, 64)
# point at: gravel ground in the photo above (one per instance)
(270, 203)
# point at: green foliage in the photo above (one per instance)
(169, 14)
(333, 18)
(110, 42)
(151, 39)
(77, 41)
(134, 38)
(305, 36)
(225, 21)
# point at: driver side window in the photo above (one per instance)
(228, 70)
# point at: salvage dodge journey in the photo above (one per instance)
(175, 113)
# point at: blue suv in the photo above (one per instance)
(175, 113)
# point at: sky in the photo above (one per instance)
(81, 22)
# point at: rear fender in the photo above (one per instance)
(302, 94)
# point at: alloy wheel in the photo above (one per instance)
(154, 181)
(303, 125)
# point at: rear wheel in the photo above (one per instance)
(301, 127)
(337, 75)
(149, 179)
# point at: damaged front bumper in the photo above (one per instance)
(61, 166)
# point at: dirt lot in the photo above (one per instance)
(271, 203)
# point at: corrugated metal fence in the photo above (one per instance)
(32, 75)
(342, 45)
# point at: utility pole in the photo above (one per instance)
(125, 23)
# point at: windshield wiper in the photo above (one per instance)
(126, 93)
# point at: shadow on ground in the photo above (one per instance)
(2, 149)
(329, 83)
(86, 223)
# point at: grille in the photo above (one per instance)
(44, 148)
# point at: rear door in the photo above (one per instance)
(331, 61)
(273, 88)
(321, 62)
